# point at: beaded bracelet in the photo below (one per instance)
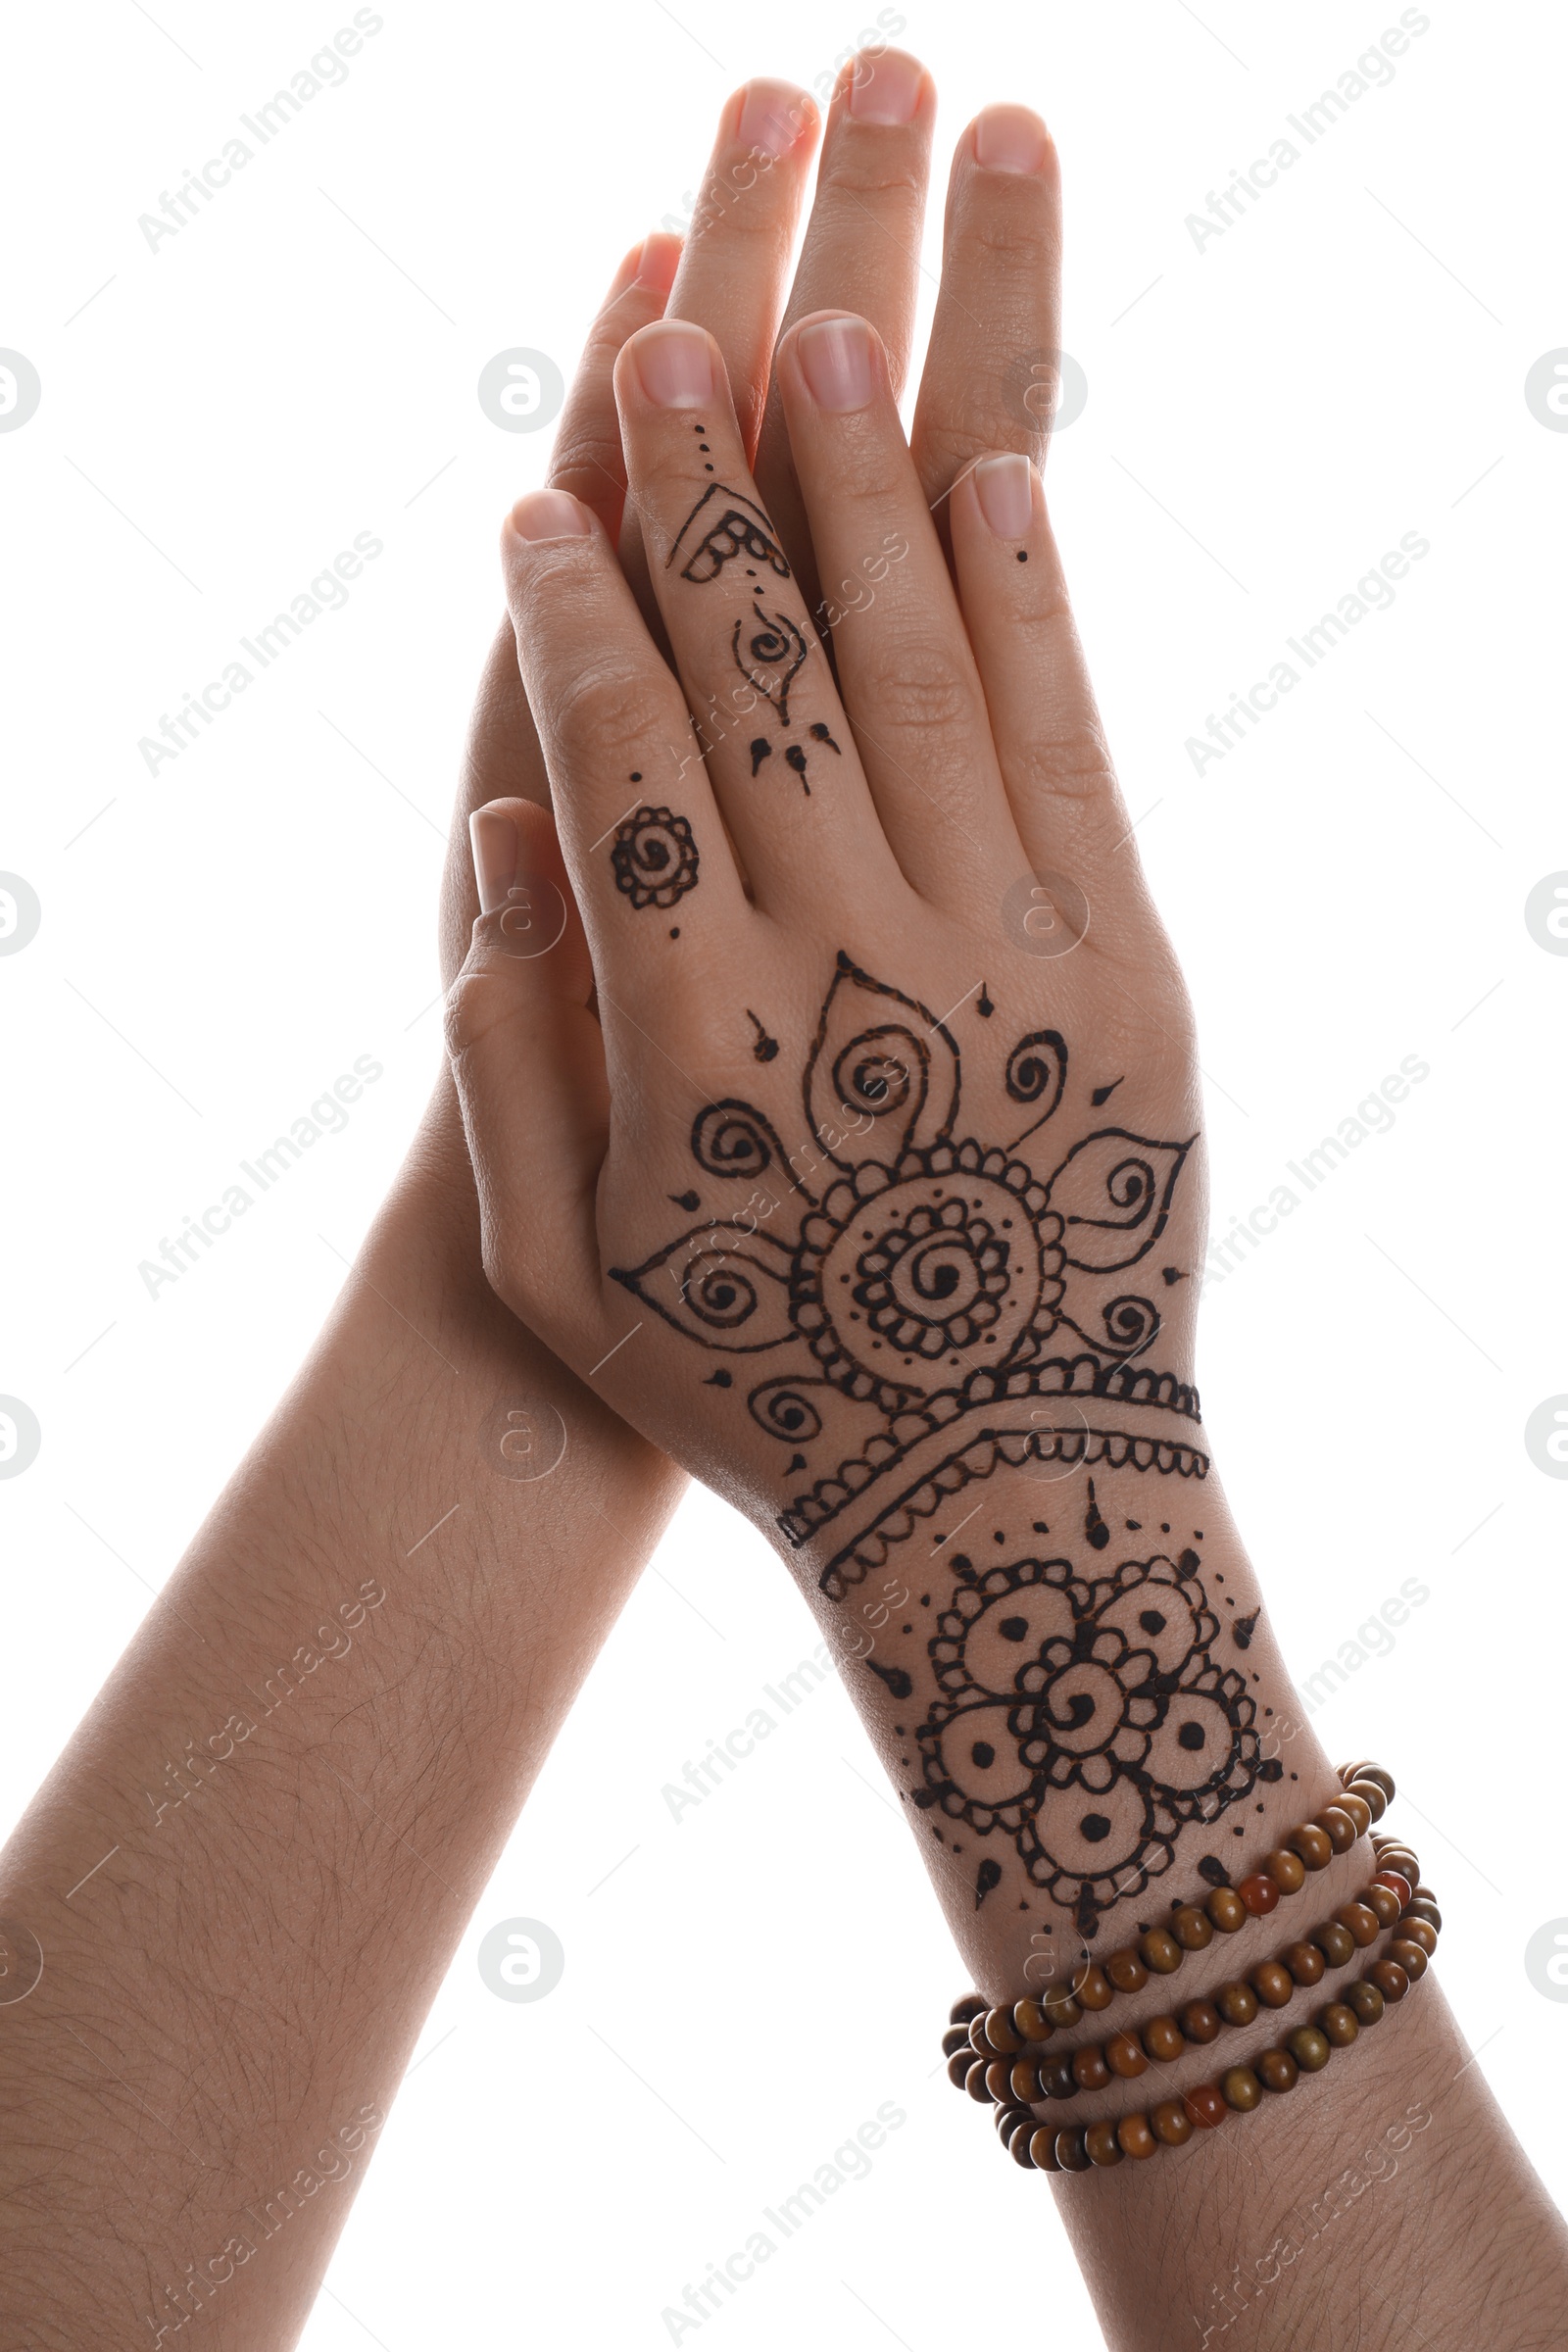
(1272, 1984)
(1002, 2033)
(1043, 2147)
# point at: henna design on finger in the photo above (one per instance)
(765, 1047)
(773, 654)
(795, 758)
(654, 858)
(732, 525)
(819, 734)
(762, 750)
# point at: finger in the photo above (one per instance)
(638, 823)
(1050, 743)
(735, 263)
(527, 1057)
(988, 377)
(904, 660)
(862, 251)
(502, 759)
(780, 756)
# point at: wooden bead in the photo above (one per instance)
(1159, 1951)
(1018, 2145)
(1287, 1870)
(1395, 1883)
(1339, 2022)
(1313, 1844)
(1376, 1775)
(1060, 2008)
(1236, 2003)
(1095, 1991)
(1273, 1984)
(1205, 2105)
(1389, 1978)
(1359, 1811)
(1124, 2055)
(1007, 2118)
(1171, 2123)
(1413, 1929)
(1310, 2048)
(979, 2040)
(1365, 1999)
(1340, 1827)
(1409, 1956)
(974, 2082)
(1090, 2070)
(1226, 1909)
(1335, 1942)
(1137, 2140)
(1306, 1963)
(1402, 1858)
(1277, 2070)
(1001, 2034)
(971, 2006)
(1102, 2146)
(1030, 2021)
(1371, 1795)
(1043, 2148)
(1127, 1972)
(1023, 2079)
(1193, 1929)
(1361, 1920)
(956, 2038)
(1058, 2079)
(999, 2080)
(1199, 2021)
(1421, 1906)
(1383, 1902)
(1240, 2088)
(1072, 2154)
(958, 2066)
(1163, 2039)
(1260, 1894)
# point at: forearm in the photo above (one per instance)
(248, 1870)
(1383, 2193)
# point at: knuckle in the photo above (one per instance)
(918, 684)
(587, 462)
(850, 181)
(468, 1015)
(596, 714)
(1071, 762)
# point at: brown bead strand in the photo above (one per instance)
(1240, 2089)
(1191, 1927)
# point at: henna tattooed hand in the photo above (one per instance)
(872, 1189)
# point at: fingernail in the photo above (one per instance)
(493, 839)
(1010, 138)
(550, 515)
(772, 116)
(1006, 494)
(885, 87)
(659, 262)
(836, 361)
(673, 366)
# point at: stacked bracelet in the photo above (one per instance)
(991, 2035)
(996, 2053)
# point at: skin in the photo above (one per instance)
(861, 930)
(210, 1865)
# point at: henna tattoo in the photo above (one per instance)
(773, 654)
(1102, 1093)
(1082, 1714)
(734, 525)
(819, 734)
(962, 1297)
(762, 750)
(655, 857)
(766, 1048)
(1243, 1630)
(987, 1877)
(795, 758)
(983, 1004)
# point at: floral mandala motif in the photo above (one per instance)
(1086, 1719)
(956, 1295)
(653, 857)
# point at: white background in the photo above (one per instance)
(1265, 418)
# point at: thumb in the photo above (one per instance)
(528, 1058)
